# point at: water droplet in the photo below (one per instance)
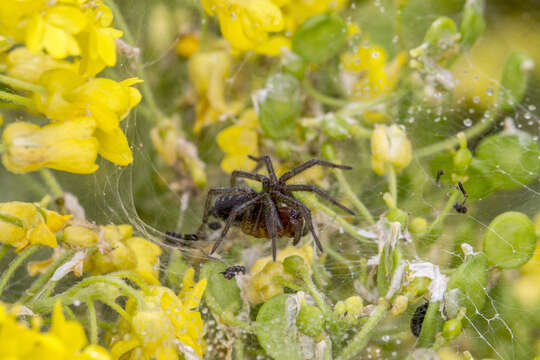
(527, 115)
(532, 107)
(467, 122)
(233, 16)
(476, 99)
(489, 92)
(375, 54)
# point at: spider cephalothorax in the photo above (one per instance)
(271, 213)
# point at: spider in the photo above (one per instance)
(459, 207)
(271, 213)
(231, 271)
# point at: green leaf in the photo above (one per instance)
(510, 240)
(220, 294)
(279, 105)
(470, 280)
(320, 37)
(511, 159)
(431, 325)
(515, 75)
(472, 23)
(275, 330)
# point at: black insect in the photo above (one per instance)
(173, 237)
(418, 319)
(459, 207)
(271, 213)
(231, 271)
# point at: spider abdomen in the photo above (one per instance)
(224, 204)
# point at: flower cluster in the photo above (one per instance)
(66, 44)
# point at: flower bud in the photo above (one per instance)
(320, 37)
(350, 309)
(510, 240)
(310, 321)
(514, 80)
(462, 159)
(451, 329)
(295, 265)
(399, 305)
(472, 23)
(336, 127)
(80, 236)
(389, 147)
(418, 225)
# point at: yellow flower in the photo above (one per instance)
(65, 340)
(207, 73)
(29, 66)
(266, 275)
(188, 45)
(238, 141)
(167, 323)
(79, 236)
(119, 250)
(295, 12)
(389, 147)
(247, 24)
(67, 146)
(22, 224)
(106, 101)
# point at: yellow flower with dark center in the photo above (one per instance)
(168, 324)
(238, 141)
(120, 250)
(67, 146)
(22, 224)
(65, 340)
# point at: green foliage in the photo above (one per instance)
(221, 294)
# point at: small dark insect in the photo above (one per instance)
(270, 213)
(231, 271)
(459, 207)
(173, 238)
(418, 318)
(214, 225)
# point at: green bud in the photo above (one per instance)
(451, 329)
(462, 159)
(293, 64)
(418, 225)
(310, 321)
(397, 215)
(514, 80)
(336, 127)
(442, 34)
(294, 265)
(512, 159)
(328, 152)
(472, 23)
(320, 37)
(417, 287)
(283, 149)
(279, 105)
(510, 240)
(469, 281)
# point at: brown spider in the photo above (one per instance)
(283, 214)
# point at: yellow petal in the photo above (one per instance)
(68, 18)
(114, 147)
(55, 221)
(55, 41)
(34, 33)
(42, 235)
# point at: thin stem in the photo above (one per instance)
(312, 202)
(51, 182)
(14, 265)
(4, 250)
(148, 96)
(21, 84)
(33, 293)
(361, 339)
(136, 278)
(358, 204)
(449, 205)
(325, 99)
(123, 313)
(92, 319)
(357, 108)
(17, 99)
(228, 318)
(470, 133)
(392, 183)
(238, 349)
(317, 297)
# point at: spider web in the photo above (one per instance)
(145, 195)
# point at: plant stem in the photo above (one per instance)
(148, 96)
(356, 108)
(14, 265)
(17, 99)
(123, 313)
(323, 306)
(358, 204)
(92, 318)
(392, 183)
(325, 99)
(449, 205)
(470, 133)
(33, 293)
(228, 318)
(311, 202)
(4, 250)
(136, 278)
(21, 84)
(361, 339)
(51, 182)
(238, 349)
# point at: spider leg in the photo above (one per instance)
(257, 220)
(237, 174)
(209, 197)
(310, 163)
(306, 214)
(268, 162)
(232, 215)
(319, 192)
(271, 218)
(297, 233)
